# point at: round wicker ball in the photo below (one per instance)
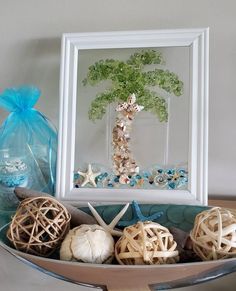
(214, 234)
(39, 225)
(146, 243)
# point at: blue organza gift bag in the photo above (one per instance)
(28, 145)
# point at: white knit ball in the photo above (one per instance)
(89, 244)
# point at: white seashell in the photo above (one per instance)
(131, 99)
(137, 108)
(140, 108)
(124, 179)
(120, 123)
(88, 243)
(122, 106)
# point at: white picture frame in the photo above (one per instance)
(198, 42)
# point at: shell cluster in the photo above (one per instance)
(124, 164)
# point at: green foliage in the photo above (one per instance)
(129, 77)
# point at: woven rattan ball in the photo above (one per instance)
(146, 243)
(214, 234)
(39, 225)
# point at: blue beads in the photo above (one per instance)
(153, 178)
(13, 181)
(132, 183)
(170, 171)
(170, 178)
(102, 176)
(172, 185)
(146, 175)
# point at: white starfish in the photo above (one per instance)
(109, 227)
(89, 176)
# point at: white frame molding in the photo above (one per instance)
(198, 42)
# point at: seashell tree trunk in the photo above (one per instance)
(124, 164)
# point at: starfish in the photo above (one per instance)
(89, 176)
(138, 216)
(109, 227)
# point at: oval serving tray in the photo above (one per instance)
(117, 277)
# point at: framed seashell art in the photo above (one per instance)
(134, 117)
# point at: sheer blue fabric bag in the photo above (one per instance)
(28, 145)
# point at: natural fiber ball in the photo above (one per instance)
(214, 234)
(39, 226)
(146, 243)
(89, 244)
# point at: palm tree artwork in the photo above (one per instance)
(130, 79)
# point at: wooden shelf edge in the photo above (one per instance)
(227, 203)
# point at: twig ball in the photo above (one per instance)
(39, 225)
(88, 244)
(146, 243)
(214, 234)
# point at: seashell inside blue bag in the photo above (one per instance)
(28, 145)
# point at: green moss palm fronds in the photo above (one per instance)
(129, 77)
